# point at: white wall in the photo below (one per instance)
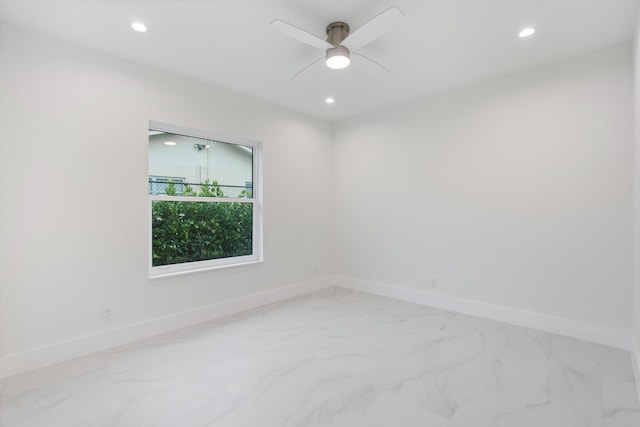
(73, 203)
(636, 211)
(517, 192)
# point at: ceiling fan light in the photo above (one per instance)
(338, 57)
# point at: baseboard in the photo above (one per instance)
(16, 363)
(66, 350)
(599, 334)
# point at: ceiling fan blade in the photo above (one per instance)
(371, 60)
(300, 34)
(313, 63)
(373, 28)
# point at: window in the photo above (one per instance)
(204, 200)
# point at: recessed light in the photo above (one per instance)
(139, 27)
(526, 32)
(329, 100)
(170, 143)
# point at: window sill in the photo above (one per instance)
(163, 273)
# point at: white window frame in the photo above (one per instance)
(256, 201)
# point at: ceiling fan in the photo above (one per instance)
(340, 43)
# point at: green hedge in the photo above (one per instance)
(184, 231)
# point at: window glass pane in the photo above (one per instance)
(187, 166)
(184, 231)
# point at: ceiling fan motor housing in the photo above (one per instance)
(337, 57)
(337, 32)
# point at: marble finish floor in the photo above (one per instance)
(335, 358)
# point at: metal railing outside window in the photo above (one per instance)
(158, 186)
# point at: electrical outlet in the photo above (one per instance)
(106, 314)
(434, 283)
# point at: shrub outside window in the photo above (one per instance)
(205, 201)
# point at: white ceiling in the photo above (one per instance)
(442, 44)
